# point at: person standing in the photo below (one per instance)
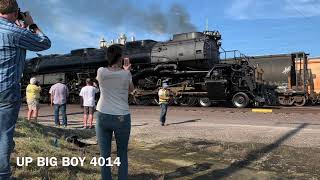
(113, 115)
(33, 97)
(58, 96)
(88, 94)
(15, 39)
(164, 98)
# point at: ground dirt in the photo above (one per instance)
(196, 144)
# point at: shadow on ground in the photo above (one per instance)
(52, 115)
(251, 157)
(178, 173)
(54, 131)
(183, 122)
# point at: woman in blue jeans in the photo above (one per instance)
(113, 114)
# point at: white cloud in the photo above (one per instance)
(239, 9)
(76, 32)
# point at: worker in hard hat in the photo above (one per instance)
(164, 98)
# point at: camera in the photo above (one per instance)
(21, 15)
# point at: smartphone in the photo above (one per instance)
(126, 61)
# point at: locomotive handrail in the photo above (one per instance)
(235, 57)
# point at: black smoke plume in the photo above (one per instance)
(76, 16)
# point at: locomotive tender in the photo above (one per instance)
(292, 76)
(190, 63)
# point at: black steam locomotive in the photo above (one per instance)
(190, 63)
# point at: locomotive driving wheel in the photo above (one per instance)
(137, 97)
(74, 98)
(187, 101)
(204, 102)
(240, 100)
(143, 100)
(131, 99)
(302, 101)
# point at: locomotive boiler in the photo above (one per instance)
(189, 62)
(73, 68)
(182, 62)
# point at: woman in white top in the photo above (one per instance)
(113, 114)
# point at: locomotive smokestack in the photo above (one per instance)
(133, 39)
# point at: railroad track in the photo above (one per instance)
(275, 109)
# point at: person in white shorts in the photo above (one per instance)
(88, 94)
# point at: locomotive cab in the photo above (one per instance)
(235, 82)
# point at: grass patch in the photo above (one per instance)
(34, 140)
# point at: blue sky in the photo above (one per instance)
(255, 27)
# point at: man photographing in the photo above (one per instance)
(15, 39)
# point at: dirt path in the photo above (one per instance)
(215, 143)
(294, 129)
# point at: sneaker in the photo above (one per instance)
(162, 124)
(64, 126)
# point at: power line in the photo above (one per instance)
(300, 12)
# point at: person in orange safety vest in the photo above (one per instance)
(164, 98)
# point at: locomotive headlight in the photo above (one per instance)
(217, 35)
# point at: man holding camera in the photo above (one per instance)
(18, 33)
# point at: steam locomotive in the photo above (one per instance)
(190, 63)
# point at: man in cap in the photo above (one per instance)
(33, 97)
(58, 96)
(164, 98)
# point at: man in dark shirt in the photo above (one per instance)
(15, 39)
